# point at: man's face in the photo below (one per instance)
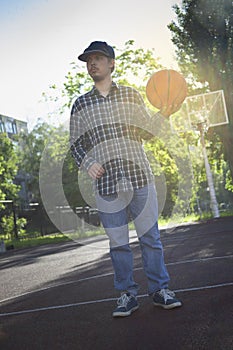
(99, 66)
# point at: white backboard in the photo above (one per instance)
(208, 109)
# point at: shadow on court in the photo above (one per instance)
(75, 312)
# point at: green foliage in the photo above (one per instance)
(8, 226)
(8, 169)
(33, 145)
(162, 163)
(229, 182)
(8, 190)
(134, 65)
(52, 144)
(203, 36)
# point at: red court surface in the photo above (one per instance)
(62, 296)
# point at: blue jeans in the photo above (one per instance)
(114, 212)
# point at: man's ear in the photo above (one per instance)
(112, 61)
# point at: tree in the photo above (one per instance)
(8, 190)
(29, 156)
(203, 36)
(45, 143)
(8, 169)
(50, 143)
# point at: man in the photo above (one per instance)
(106, 132)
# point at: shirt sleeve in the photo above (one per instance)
(80, 141)
(142, 118)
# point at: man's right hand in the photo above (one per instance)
(96, 171)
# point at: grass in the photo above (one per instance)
(35, 241)
(32, 240)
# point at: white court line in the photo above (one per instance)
(200, 260)
(110, 274)
(66, 306)
(56, 285)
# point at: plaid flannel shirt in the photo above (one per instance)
(109, 130)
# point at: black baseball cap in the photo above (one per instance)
(97, 47)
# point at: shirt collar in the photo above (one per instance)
(94, 90)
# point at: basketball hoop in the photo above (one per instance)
(209, 109)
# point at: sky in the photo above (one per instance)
(40, 38)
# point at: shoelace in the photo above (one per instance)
(123, 300)
(166, 294)
(170, 292)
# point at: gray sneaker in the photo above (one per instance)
(126, 304)
(166, 299)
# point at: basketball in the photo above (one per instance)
(166, 88)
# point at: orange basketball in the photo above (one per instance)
(165, 88)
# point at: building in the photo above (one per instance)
(12, 126)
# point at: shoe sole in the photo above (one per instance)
(123, 314)
(168, 307)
